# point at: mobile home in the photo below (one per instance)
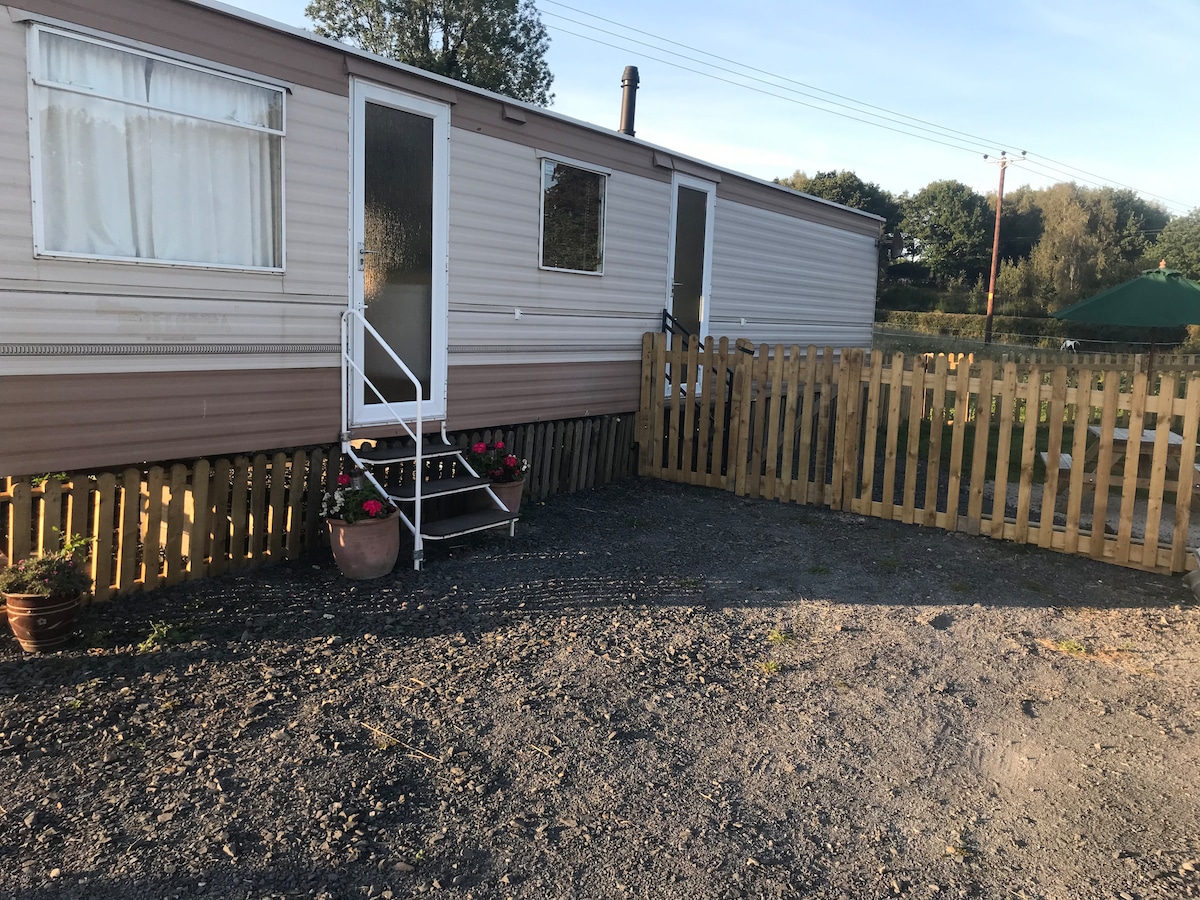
(193, 197)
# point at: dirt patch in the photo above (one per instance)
(652, 692)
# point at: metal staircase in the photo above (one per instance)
(433, 468)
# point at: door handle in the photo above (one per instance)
(362, 256)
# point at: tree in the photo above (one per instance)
(848, 189)
(1092, 238)
(946, 225)
(1020, 222)
(1179, 244)
(499, 45)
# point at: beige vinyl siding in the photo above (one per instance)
(793, 281)
(316, 159)
(71, 422)
(16, 209)
(41, 323)
(487, 396)
(494, 220)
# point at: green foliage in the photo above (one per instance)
(946, 224)
(1071, 646)
(62, 573)
(1092, 238)
(1037, 331)
(1058, 245)
(1179, 244)
(848, 189)
(497, 462)
(499, 45)
(39, 480)
(350, 503)
(159, 633)
(769, 667)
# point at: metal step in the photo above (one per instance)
(385, 455)
(466, 524)
(441, 487)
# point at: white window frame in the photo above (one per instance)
(35, 146)
(542, 156)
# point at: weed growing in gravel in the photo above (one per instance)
(888, 564)
(778, 636)
(819, 570)
(688, 583)
(159, 633)
(962, 848)
(769, 667)
(960, 587)
(1075, 648)
(1034, 586)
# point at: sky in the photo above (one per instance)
(1100, 92)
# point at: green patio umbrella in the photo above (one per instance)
(1158, 298)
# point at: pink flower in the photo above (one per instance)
(499, 445)
(343, 480)
(510, 460)
(481, 447)
(372, 508)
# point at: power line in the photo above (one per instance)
(757, 90)
(859, 106)
(940, 131)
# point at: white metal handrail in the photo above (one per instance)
(414, 524)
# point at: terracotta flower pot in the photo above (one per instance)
(367, 548)
(41, 623)
(509, 493)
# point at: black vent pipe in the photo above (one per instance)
(629, 86)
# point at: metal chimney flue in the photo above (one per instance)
(629, 86)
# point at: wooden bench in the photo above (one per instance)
(1064, 461)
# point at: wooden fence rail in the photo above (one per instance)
(1025, 453)
(163, 525)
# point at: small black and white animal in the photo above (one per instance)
(1070, 345)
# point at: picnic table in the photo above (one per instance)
(1120, 443)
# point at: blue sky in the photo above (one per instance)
(1097, 91)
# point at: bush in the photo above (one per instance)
(62, 573)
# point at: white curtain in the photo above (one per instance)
(129, 181)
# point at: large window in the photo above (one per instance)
(572, 218)
(136, 157)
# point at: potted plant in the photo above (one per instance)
(42, 596)
(364, 533)
(506, 471)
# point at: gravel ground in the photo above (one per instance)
(651, 692)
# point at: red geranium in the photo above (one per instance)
(494, 461)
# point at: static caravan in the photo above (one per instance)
(197, 203)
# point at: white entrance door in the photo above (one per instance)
(398, 252)
(691, 242)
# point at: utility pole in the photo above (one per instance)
(1003, 162)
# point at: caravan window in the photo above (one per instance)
(137, 157)
(572, 217)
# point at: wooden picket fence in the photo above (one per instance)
(1131, 363)
(161, 525)
(915, 441)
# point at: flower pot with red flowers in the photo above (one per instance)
(506, 471)
(42, 596)
(364, 531)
